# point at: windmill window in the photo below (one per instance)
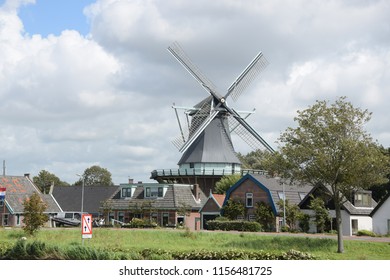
(249, 200)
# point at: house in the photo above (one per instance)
(254, 188)
(211, 208)
(355, 212)
(169, 205)
(69, 198)
(18, 189)
(381, 216)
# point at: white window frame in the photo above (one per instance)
(249, 198)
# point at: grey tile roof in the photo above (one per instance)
(347, 205)
(19, 188)
(69, 198)
(175, 197)
(294, 193)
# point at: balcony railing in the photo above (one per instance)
(202, 172)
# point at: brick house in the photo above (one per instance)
(169, 205)
(18, 189)
(254, 188)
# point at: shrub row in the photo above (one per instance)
(140, 223)
(233, 225)
(40, 251)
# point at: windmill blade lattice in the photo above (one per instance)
(255, 142)
(258, 64)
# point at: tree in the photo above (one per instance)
(330, 147)
(253, 160)
(45, 179)
(265, 216)
(226, 182)
(293, 213)
(96, 175)
(34, 218)
(321, 213)
(233, 209)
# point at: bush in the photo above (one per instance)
(365, 232)
(140, 223)
(233, 225)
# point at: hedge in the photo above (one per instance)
(233, 225)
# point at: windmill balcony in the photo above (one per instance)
(202, 172)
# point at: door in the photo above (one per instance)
(388, 226)
(355, 226)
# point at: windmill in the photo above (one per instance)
(205, 140)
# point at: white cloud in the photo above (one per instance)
(70, 101)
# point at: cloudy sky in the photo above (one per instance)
(86, 82)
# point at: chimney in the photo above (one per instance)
(27, 175)
(51, 188)
(196, 192)
(131, 181)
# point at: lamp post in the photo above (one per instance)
(82, 201)
(284, 206)
(280, 181)
(82, 192)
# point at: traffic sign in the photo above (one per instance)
(86, 226)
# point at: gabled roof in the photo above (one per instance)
(19, 188)
(216, 199)
(175, 197)
(381, 202)
(70, 197)
(273, 187)
(347, 205)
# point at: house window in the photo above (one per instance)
(302, 195)
(363, 199)
(192, 165)
(5, 219)
(1, 203)
(165, 219)
(281, 195)
(249, 200)
(154, 192)
(147, 194)
(126, 192)
(121, 216)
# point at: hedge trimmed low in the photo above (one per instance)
(233, 225)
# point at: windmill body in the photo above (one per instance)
(205, 142)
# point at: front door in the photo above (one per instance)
(355, 227)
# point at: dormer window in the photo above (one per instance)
(363, 199)
(154, 192)
(126, 192)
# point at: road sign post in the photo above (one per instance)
(86, 226)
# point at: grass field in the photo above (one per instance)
(181, 240)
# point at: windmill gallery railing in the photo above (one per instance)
(202, 172)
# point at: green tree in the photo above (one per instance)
(96, 175)
(330, 147)
(253, 160)
(34, 216)
(265, 216)
(45, 179)
(233, 209)
(226, 182)
(321, 213)
(293, 213)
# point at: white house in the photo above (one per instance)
(381, 216)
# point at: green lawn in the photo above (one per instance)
(180, 240)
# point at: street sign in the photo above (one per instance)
(86, 226)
